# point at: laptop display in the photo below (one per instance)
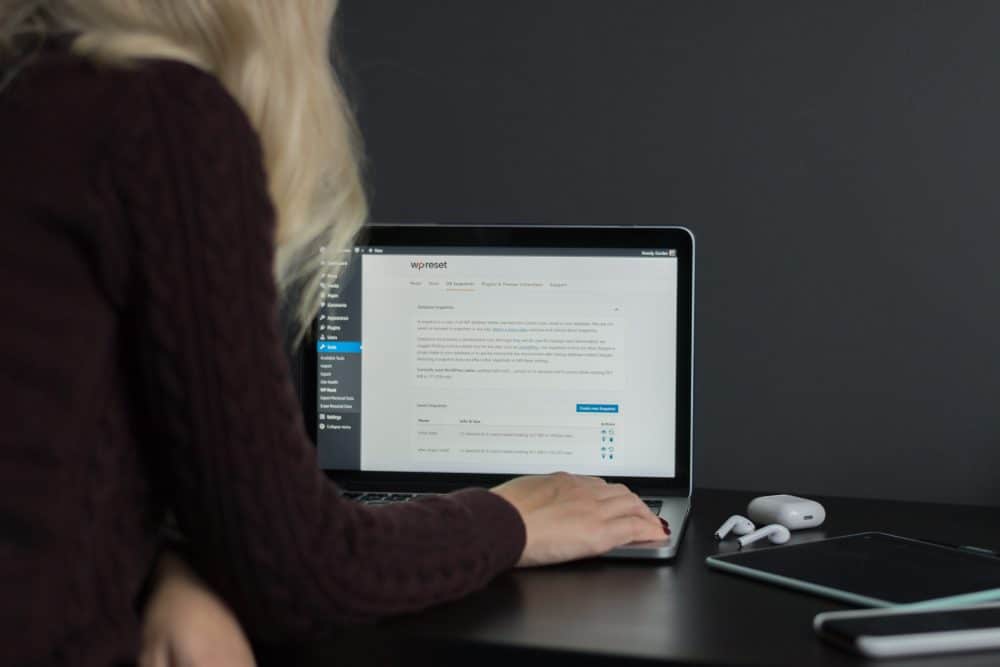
(501, 360)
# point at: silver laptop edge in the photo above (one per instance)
(674, 510)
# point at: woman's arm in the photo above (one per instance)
(266, 527)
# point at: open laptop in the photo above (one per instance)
(454, 356)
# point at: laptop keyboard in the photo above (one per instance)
(380, 498)
(386, 498)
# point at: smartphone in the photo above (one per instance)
(896, 632)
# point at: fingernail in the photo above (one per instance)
(665, 526)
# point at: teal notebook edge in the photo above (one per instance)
(719, 562)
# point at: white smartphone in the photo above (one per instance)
(901, 631)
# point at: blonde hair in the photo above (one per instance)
(273, 56)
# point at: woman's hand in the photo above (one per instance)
(568, 517)
(186, 625)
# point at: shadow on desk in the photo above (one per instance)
(626, 613)
(372, 649)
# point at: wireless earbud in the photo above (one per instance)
(775, 533)
(738, 525)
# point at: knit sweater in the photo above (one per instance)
(141, 371)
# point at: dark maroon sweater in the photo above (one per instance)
(141, 369)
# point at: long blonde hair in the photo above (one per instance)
(273, 56)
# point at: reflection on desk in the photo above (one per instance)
(596, 612)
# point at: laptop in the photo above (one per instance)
(454, 356)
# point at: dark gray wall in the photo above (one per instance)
(838, 163)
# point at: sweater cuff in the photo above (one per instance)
(501, 524)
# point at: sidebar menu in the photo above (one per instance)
(338, 355)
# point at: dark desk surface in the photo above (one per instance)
(676, 613)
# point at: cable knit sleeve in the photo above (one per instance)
(265, 525)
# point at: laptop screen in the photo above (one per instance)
(499, 360)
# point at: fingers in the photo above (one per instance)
(618, 496)
(615, 499)
(611, 491)
(627, 504)
(623, 530)
(569, 481)
(588, 480)
(626, 518)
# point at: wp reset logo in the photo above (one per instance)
(420, 266)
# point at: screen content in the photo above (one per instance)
(506, 361)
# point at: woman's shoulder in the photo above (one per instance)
(178, 87)
(98, 98)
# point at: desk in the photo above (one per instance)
(645, 613)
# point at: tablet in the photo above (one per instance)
(873, 570)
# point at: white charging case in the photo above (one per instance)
(792, 512)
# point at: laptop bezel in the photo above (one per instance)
(534, 236)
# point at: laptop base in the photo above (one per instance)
(674, 511)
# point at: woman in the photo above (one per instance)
(168, 169)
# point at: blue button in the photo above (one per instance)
(339, 346)
(597, 407)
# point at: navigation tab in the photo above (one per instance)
(341, 347)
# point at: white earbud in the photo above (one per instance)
(775, 532)
(739, 525)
